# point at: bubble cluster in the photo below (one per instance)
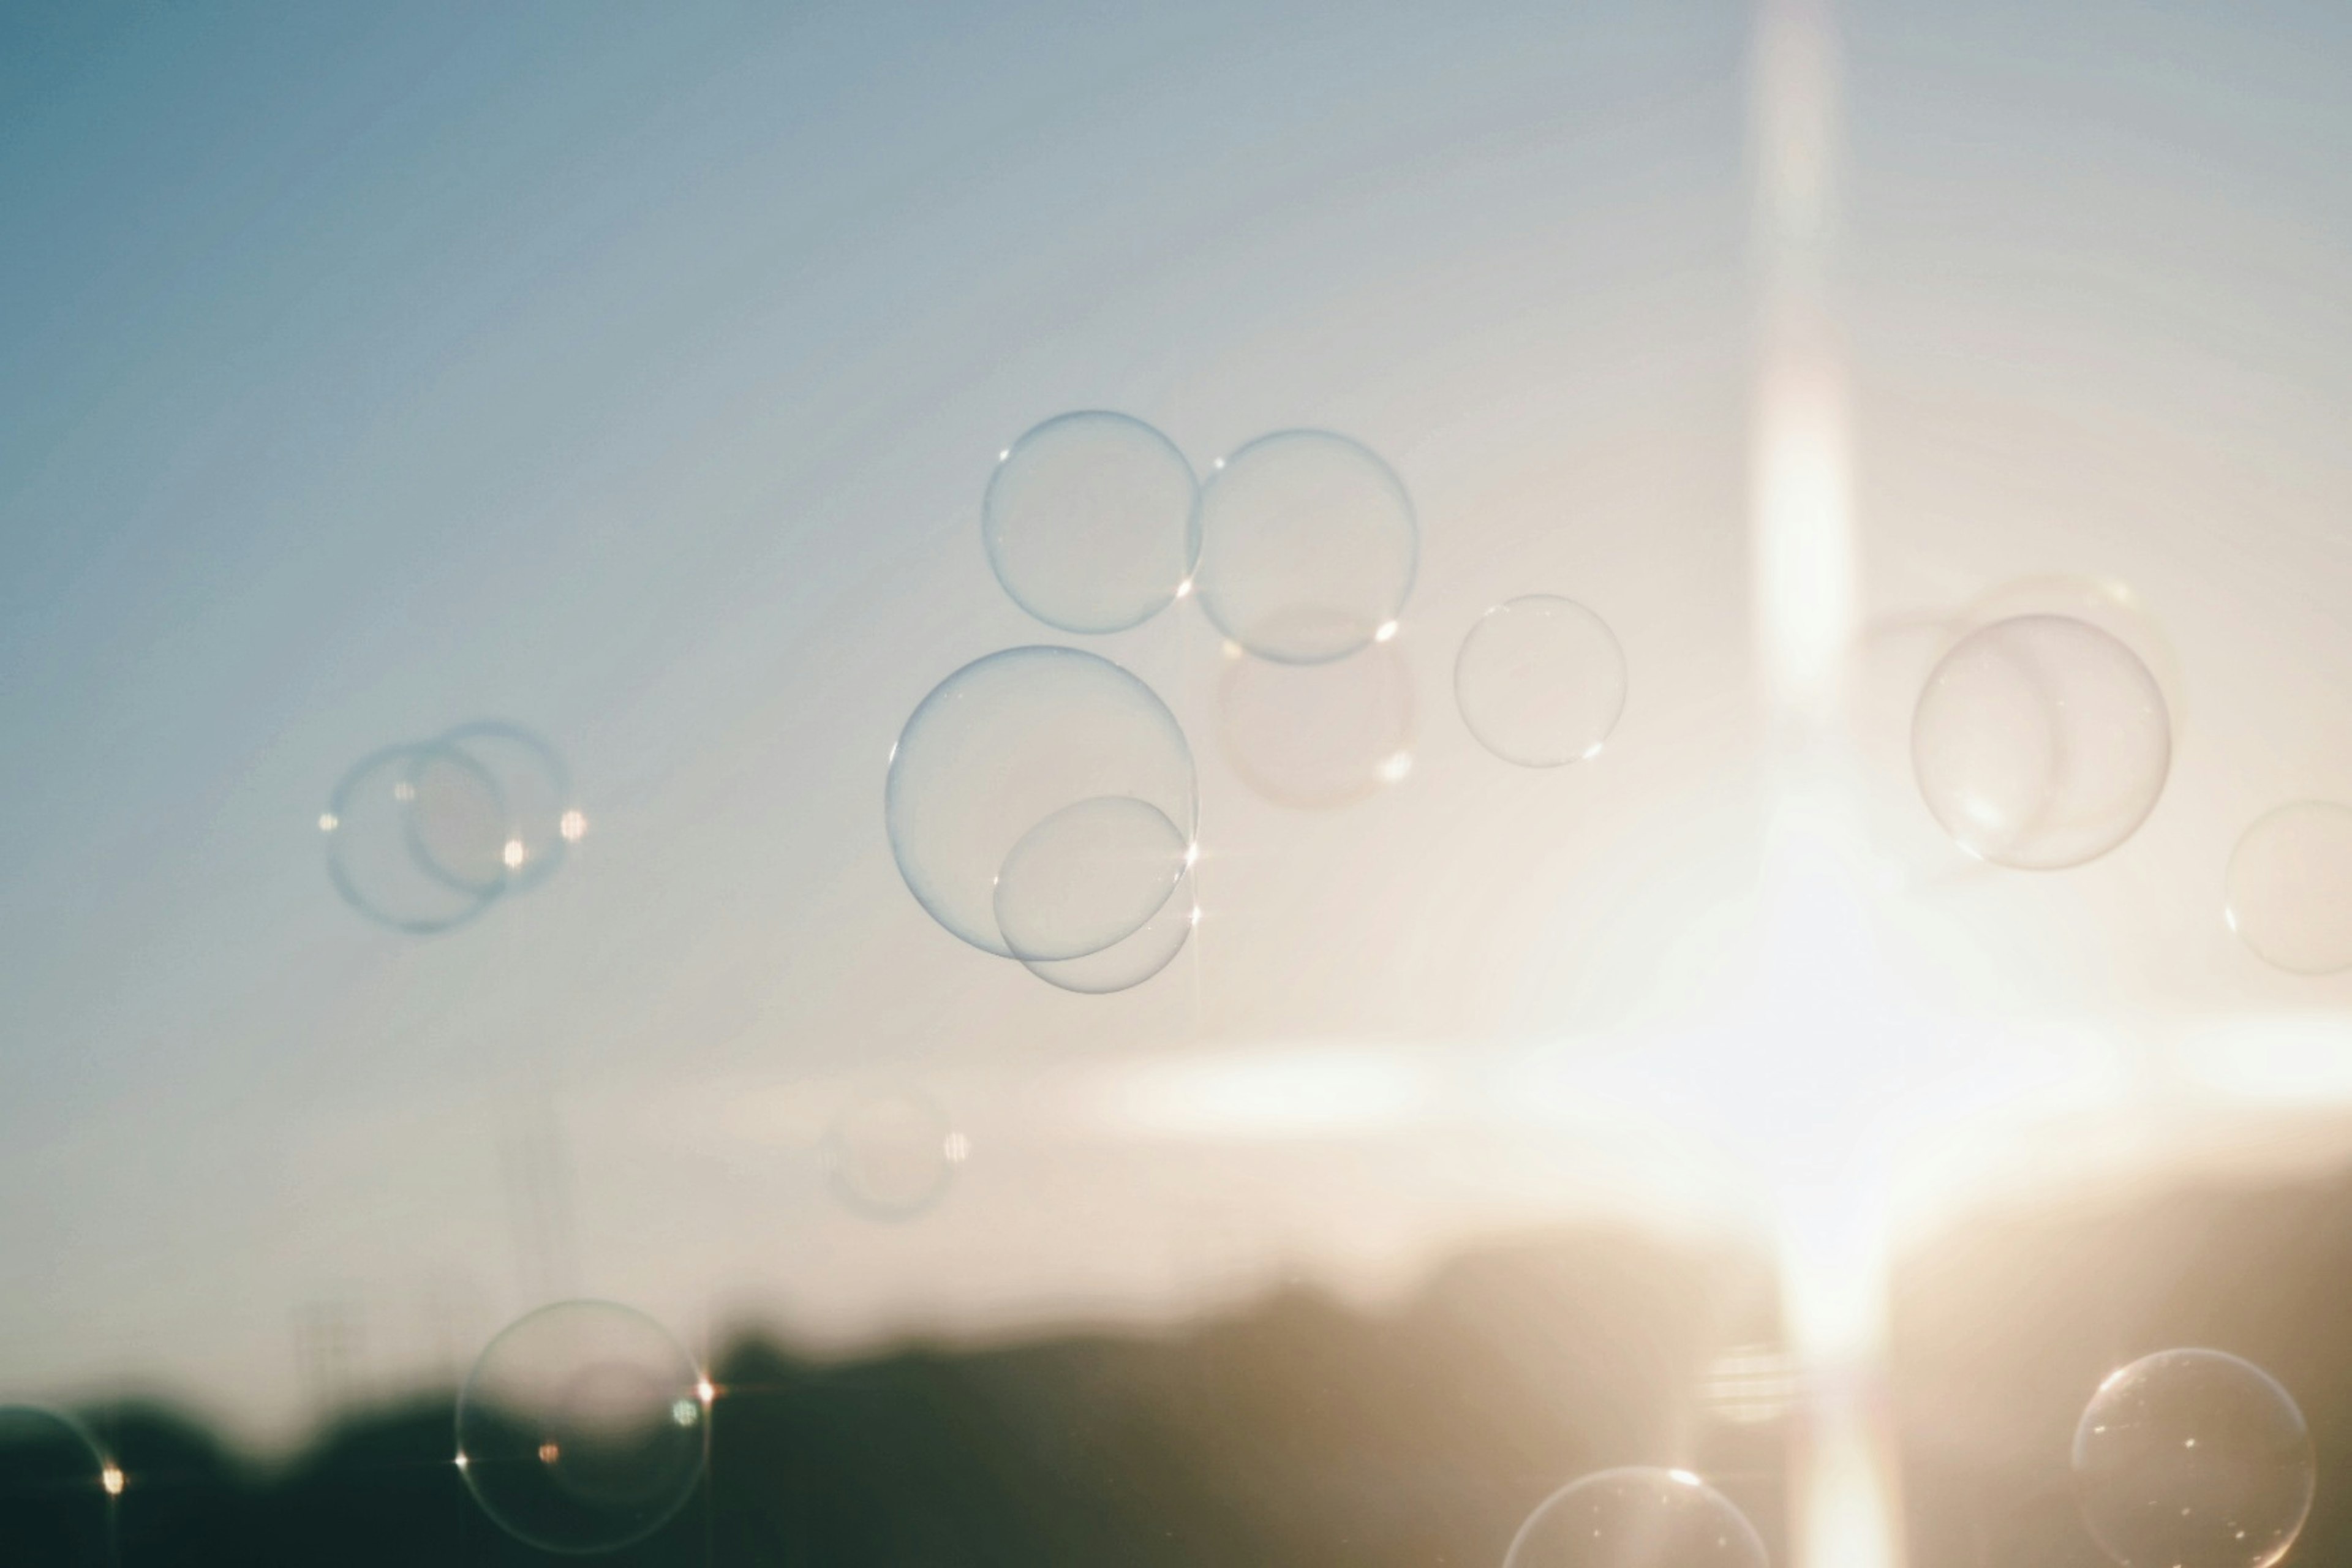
(1040, 804)
(1541, 681)
(1089, 523)
(2192, 1459)
(2041, 743)
(1308, 546)
(57, 1491)
(893, 1152)
(583, 1427)
(423, 836)
(1637, 1517)
(2289, 890)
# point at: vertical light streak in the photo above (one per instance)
(1844, 1508)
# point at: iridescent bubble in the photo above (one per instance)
(57, 1491)
(2289, 893)
(1003, 745)
(544, 819)
(415, 837)
(1307, 547)
(1318, 736)
(1087, 877)
(1637, 1517)
(893, 1152)
(1541, 681)
(1129, 962)
(1089, 521)
(583, 1427)
(2192, 1459)
(2041, 743)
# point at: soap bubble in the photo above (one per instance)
(1637, 1517)
(1128, 964)
(1088, 522)
(583, 1427)
(2192, 1459)
(542, 820)
(415, 837)
(2041, 743)
(2115, 608)
(1318, 736)
(2289, 894)
(1088, 876)
(1007, 742)
(1541, 681)
(1307, 547)
(893, 1152)
(57, 1491)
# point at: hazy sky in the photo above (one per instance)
(635, 375)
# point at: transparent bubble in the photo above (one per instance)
(415, 837)
(1007, 742)
(2191, 1458)
(1318, 736)
(1541, 681)
(542, 819)
(1128, 963)
(583, 1427)
(1308, 546)
(1637, 1517)
(1090, 523)
(57, 1491)
(1087, 877)
(2041, 743)
(2115, 608)
(893, 1152)
(2289, 893)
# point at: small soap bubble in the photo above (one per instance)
(2041, 743)
(2289, 892)
(893, 1152)
(542, 819)
(1089, 523)
(1637, 1517)
(57, 1491)
(583, 1427)
(1005, 744)
(2192, 1459)
(1318, 736)
(1128, 964)
(1087, 877)
(1307, 547)
(415, 838)
(1541, 681)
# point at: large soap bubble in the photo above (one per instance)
(1006, 742)
(1637, 1517)
(1089, 521)
(583, 1427)
(1308, 546)
(416, 837)
(1130, 961)
(1541, 681)
(2192, 1459)
(1318, 736)
(2041, 743)
(57, 1493)
(2289, 894)
(892, 1153)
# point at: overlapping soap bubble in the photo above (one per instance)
(1042, 803)
(424, 836)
